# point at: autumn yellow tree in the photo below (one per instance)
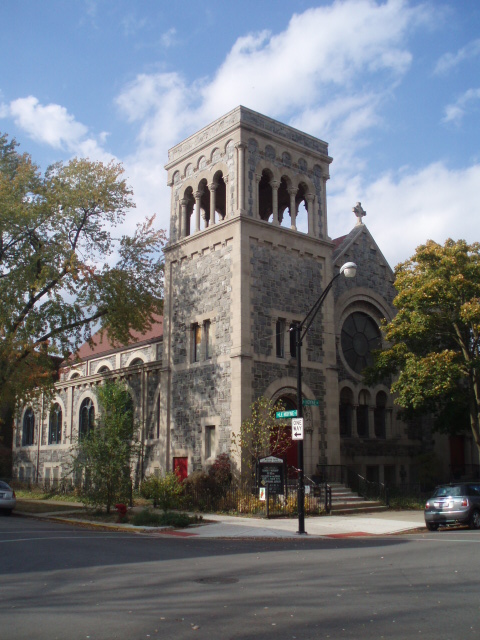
(262, 434)
(434, 340)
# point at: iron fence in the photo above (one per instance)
(245, 498)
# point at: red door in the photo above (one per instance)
(180, 468)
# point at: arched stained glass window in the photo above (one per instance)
(28, 427)
(86, 417)
(55, 425)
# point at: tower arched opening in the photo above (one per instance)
(265, 195)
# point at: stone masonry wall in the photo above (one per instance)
(201, 290)
(286, 285)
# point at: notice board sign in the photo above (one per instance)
(271, 471)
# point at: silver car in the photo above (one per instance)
(457, 503)
(7, 498)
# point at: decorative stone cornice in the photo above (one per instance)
(254, 121)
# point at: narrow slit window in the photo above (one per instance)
(196, 342)
(207, 339)
(209, 441)
(280, 338)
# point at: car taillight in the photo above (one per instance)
(427, 506)
(465, 502)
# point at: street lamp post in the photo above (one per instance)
(349, 270)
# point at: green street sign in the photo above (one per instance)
(311, 403)
(286, 414)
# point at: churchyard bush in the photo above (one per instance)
(164, 491)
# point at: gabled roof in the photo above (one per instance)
(103, 346)
(343, 244)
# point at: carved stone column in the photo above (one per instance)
(183, 218)
(354, 421)
(323, 231)
(389, 423)
(371, 423)
(198, 197)
(275, 185)
(213, 203)
(292, 192)
(310, 198)
(228, 198)
(241, 175)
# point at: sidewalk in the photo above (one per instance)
(385, 523)
(223, 526)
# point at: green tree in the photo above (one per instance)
(62, 270)
(262, 434)
(434, 338)
(104, 458)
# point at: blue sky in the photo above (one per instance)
(393, 87)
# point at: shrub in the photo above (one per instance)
(221, 471)
(148, 518)
(165, 491)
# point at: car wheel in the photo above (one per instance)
(475, 520)
(431, 526)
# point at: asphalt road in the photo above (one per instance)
(60, 581)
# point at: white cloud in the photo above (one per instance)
(456, 111)
(169, 38)
(347, 57)
(132, 25)
(330, 55)
(320, 52)
(407, 208)
(323, 55)
(51, 124)
(450, 60)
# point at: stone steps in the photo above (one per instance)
(345, 502)
(361, 507)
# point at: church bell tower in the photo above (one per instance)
(248, 255)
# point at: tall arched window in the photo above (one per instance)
(55, 425)
(380, 415)
(86, 417)
(28, 427)
(346, 412)
(363, 414)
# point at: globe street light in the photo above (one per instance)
(349, 269)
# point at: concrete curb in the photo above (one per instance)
(229, 527)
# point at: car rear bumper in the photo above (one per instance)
(447, 517)
(8, 503)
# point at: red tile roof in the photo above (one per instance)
(338, 241)
(102, 343)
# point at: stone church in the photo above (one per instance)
(248, 255)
